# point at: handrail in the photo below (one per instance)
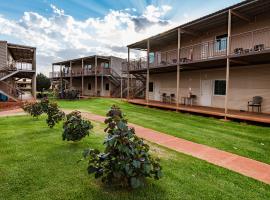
(9, 90)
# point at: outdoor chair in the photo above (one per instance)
(164, 97)
(256, 102)
(259, 47)
(238, 51)
(172, 98)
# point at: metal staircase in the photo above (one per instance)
(8, 90)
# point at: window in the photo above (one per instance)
(89, 86)
(221, 42)
(106, 65)
(151, 57)
(151, 87)
(107, 86)
(220, 87)
(88, 66)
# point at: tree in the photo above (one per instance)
(126, 160)
(43, 82)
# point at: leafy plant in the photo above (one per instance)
(54, 114)
(34, 109)
(126, 160)
(75, 128)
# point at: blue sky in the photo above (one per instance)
(63, 29)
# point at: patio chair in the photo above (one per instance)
(259, 47)
(256, 102)
(238, 51)
(164, 97)
(172, 98)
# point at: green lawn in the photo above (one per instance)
(239, 138)
(36, 164)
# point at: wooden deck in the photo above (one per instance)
(208, 111)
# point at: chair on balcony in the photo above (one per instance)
(238, 51)
(259, 47)
(256, 102)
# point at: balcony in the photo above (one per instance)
(243, 44)
(84, 72)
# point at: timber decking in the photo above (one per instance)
(216, 112)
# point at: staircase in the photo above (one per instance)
(139, 87)
(8, 90)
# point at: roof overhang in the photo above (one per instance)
(248, 9)
(21, 53)
(85, 59)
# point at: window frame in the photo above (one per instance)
(107, 84)
(151, 87)
(218, 42)
(88, 86)
(214, 86)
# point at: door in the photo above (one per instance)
(204, 50)
(206, 93)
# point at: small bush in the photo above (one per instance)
(75, 128)
(126, 160)
(34, 109)
(54, 114)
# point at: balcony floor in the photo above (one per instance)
(208, 111)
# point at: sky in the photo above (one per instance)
(67, 29)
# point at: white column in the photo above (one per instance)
(228, 63)
(128, 64)
(95, 75)
(147, 75)
(178, 68)
(82, 73)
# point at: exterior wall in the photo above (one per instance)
(77, 84)
(116, 64)
(245, 82)
(3, 54)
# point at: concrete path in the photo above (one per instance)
(14, 112)
(240, 164)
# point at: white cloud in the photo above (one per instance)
(61, 36)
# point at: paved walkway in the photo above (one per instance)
(12, 112)
(242, 165)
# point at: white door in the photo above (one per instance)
(206, 93)
(157, 91)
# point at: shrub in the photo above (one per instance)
(126, 160)
(34, 109)
(75, 128)
(54, 114)
(69, 94)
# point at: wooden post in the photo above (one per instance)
(228, 62)
(95, 75)
(121, 85)
(128, 64)
(34, 66)
(70, 71)
(178, 69)
(147, 75)
(82, 73)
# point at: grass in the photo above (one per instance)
(36, 164)
(239, 138)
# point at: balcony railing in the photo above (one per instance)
(243, 43)
(85, 72)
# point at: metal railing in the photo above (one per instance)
(252, 41)
(80, 72)
(11, 91)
